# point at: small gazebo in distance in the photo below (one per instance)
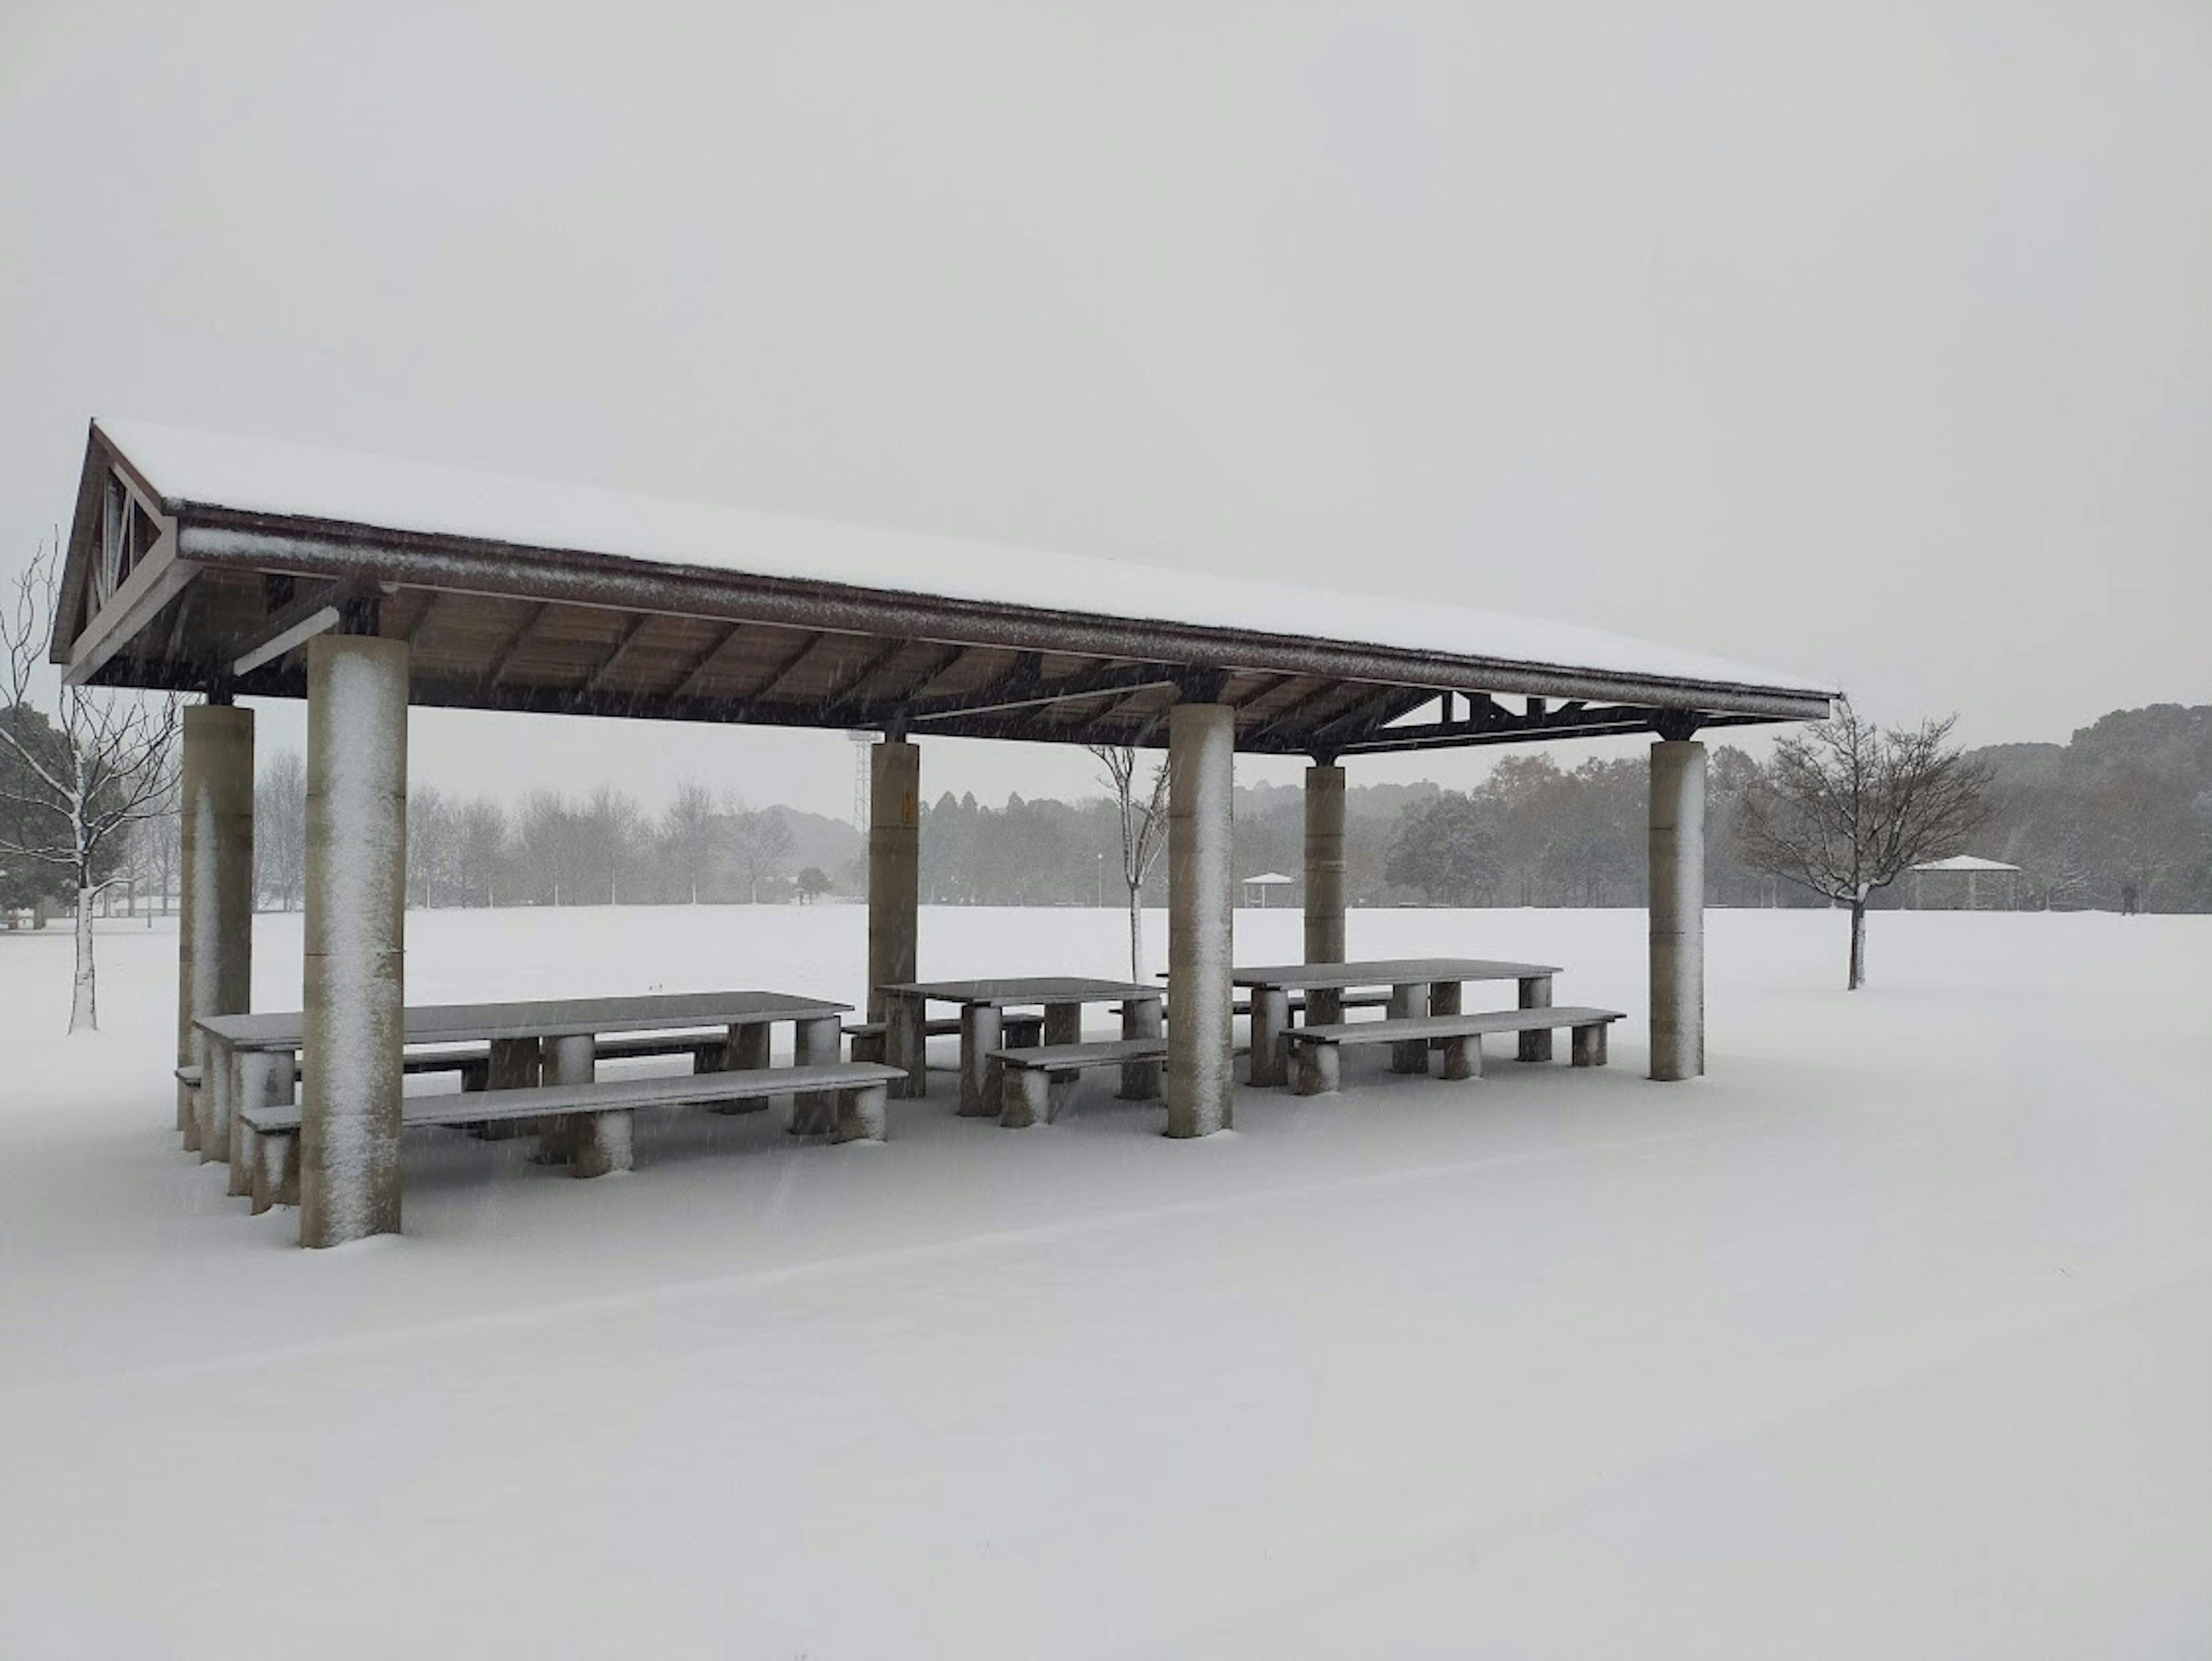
(1257, 888)
(1965, 882)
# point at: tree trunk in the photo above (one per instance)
(1136, 937)
(84, 1009)
(1858, 945)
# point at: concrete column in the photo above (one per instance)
(894, 868)
(214, 934)
(1201, 893)
(355, 937)
(1677, 854)
(1324, 887)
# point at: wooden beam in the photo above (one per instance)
(1022, 690)
(420, 626)
(1290, 714)
(612, 659)
(318, 611)
(694, 672)
(846, 699)
(1372, 714)
(790, 666)
(504, 659)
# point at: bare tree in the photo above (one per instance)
(433, 843)
(690, 836)
(481, 850)
(105, 764)
(1846, 808)
(760, 838)
(280, 830)
(1144, 832)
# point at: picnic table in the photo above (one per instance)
(982, 1005)
(251, 1058)
(1418, 986)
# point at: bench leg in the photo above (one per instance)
(864, 1116)
(1142, 1018)
(1589, 1045)
(570, 1060)
(276, 1171)
(218, 1089)
(906, 1041)
(1463, 1057)
(188, 1095)
(746, 1052)
(980, 1034)
(1059, 1091)
(1407, 1003)
(1318, 1066)
(265, 1079)
(599, 1144)
(514, 1064)
(1027, 1098)
(1443, 1000)
(814, 1112)
(1536, 994)
(1270, 1019)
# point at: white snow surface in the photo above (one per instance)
(1891, 1337)
(303, 481)
(1966, 862)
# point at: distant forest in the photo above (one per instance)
(2126, 802)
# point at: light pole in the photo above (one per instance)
(1102, 882)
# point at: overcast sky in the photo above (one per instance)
(1873, 341)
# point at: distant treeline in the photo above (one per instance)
(2127, 802)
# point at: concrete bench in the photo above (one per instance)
(1317, 1050)
(595, 1117)
(867, 1036)
(1034, 1082)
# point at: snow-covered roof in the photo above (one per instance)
(1272, 878)
(297, 481)
(1966, 862)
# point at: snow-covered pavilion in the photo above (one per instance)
(233, 569)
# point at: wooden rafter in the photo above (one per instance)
(504, 659)
(612, 658)
(696, 670)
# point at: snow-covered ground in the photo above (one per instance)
(1894, 1337)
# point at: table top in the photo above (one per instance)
(1393, 971)
(551, 1018)
(1023, 989)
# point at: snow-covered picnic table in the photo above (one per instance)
(1418, 986)
(982, 1006)
(252, 1059)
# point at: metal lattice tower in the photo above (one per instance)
(861, 740)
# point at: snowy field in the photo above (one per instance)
(1892, 1337)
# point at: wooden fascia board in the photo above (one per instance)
(258, 542)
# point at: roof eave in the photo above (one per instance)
(218, 536)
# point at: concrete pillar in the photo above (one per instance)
(1677, 854)
(214, 934)
(1324, 887)
(1201, 891)
(355, 937)
(894, 868)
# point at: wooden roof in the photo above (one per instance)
(167, 584)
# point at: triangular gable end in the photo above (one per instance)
(119, 536)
